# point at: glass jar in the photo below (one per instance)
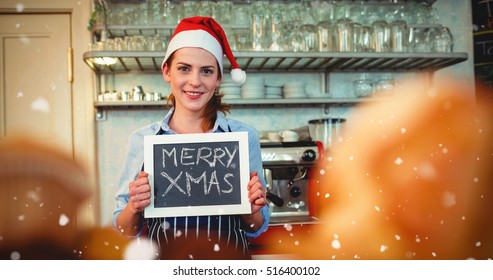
(442, 41)
(363, 86)
(385, 86)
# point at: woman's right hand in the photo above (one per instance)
(140, 193)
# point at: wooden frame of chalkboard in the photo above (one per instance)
(197, 174)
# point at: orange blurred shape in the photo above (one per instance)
(41, 188)
(411, 180)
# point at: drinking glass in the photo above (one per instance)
(275, 32)
(155, 11)
(205, 8)
(357, 36)
(365, 39)
(417, 39)
(398, 31)
(109, 45)
(171, 12)
(222, 11)
(295, 38)
(119, 44)
(310, 38)
(243, 39)
(325, 36)
(258, 31)
(344, 35)
(188, 8)
(381, 36)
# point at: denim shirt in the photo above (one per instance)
(135, 159)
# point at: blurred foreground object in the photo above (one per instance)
(412, 180)
(41, 190)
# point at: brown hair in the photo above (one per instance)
(214, 105)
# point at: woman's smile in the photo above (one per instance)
(193, 93)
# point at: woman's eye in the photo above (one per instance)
(208, 71)
(183, 69)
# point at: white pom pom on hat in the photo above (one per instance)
(205, 33)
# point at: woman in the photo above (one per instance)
(193, 68)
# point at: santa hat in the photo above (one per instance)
(205, 33)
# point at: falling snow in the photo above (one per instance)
(140, 249)
(288, 227)
(63, 220)
(398, 161)
(383, 248)
(448, 199)
(426, 170)
(217, 248)
(40, 105)
(15, 255)
(336, 244)
(20, 7)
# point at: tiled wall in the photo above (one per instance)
(113, 132)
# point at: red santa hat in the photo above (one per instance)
(205, 33)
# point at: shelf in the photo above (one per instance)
(239, 102)
(289, 61)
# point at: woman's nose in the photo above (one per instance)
(194, 79)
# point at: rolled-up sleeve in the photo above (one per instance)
(131, 168)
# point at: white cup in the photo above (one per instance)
(274, 136)
(289, 136)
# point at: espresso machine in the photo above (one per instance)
(288, 168)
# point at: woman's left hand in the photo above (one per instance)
(256, 193)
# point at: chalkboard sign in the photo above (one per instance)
(197, 174)
(483, 58)
(483, 43)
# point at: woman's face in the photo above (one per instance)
(193, 75)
